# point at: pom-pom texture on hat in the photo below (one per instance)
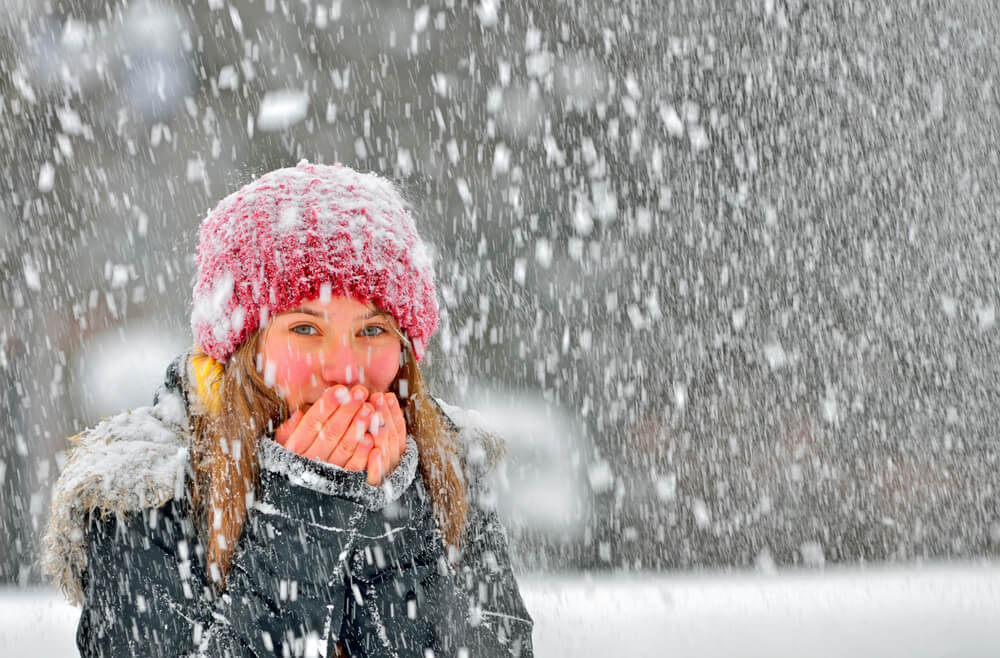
(307, 232)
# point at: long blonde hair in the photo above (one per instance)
(236, 408)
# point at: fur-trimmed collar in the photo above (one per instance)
(141, 459)
(136, 460)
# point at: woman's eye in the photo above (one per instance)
(303, 329)
(371, 331)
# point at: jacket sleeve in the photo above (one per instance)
(144, 588)
(501, 623)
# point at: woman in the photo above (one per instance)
(294, 490)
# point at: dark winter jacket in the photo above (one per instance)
(324, 558)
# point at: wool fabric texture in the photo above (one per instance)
(307, 232)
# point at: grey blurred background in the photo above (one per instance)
(731, 267)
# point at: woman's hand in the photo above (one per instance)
(332, 429)
(345, 429)
(388, 435)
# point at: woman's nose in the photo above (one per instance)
(339, 363)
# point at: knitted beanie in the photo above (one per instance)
(302, 233)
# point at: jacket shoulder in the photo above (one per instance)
(480, 443)
(134, 461)
(481, 449)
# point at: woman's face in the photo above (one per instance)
(306, 350)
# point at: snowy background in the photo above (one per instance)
(733, 269)
(930, 612)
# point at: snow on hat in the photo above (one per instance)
(303, 232)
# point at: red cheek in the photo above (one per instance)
(298, 372)
(291, 369)
(381, 369)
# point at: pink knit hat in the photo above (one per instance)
(298, 233)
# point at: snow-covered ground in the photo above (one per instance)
(930, 610)
(886, 612)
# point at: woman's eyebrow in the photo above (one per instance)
(319, 314)
(308, 311)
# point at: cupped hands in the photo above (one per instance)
(351, 428)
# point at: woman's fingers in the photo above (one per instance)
(342, 452)
(359, 460)
(339, 426)
(335, 422)
(384, 412)
(313, 420)
(284, 431)
(344, 429)
(392, 448)
(396, 412)
(374, 467)
(396, 433)
(379, 433)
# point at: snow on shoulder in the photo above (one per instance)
(130, 462)
(482, 445)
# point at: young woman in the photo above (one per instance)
(294, 490)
